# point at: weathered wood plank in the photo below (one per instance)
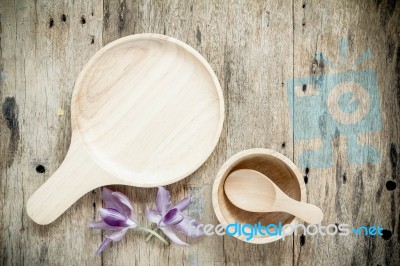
(164, 17)
(44, 45)
(255, 48)
(239, 40)
(349, 192)
(259, 56)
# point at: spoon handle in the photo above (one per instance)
(304, 211)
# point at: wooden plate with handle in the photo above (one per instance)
(147, 110)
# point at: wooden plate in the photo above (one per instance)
(147, 110)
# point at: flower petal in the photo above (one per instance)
(172, 236)
(108, 199)
(172, 217)
(103, 245)
(189, 227)
(183, 204)
(131, 223)
(117, 236)
(163, 200)
(122, 204)
(153, 216)
(103, 226)
(112, 217)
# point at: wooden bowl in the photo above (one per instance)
(282, 171)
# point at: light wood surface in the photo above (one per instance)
(147, 110)
(253, 191)
(254, 47)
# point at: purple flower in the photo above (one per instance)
(169, 218)
(118, 216)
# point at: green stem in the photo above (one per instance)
(153, 233)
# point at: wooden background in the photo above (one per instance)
(254, 48)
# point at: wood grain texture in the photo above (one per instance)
(351, 193)
(41, 57)
(254, 47)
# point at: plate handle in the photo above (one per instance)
(77, 175)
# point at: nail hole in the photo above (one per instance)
(94, 204)
(386, 234)
(304, 5)
(83, 20)
(344, 177)
(305, 179)
(390, 185)
(302, 240)
(304, 87)
(92, 41)
(40, 169)
(63, 18)
(283, 145)
(304, 24)
(51, 23)
(307, 170)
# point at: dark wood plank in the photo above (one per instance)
(348, 191)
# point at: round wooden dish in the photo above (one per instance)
(282, 171)
(147, 110)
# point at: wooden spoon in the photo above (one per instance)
(252, 191)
